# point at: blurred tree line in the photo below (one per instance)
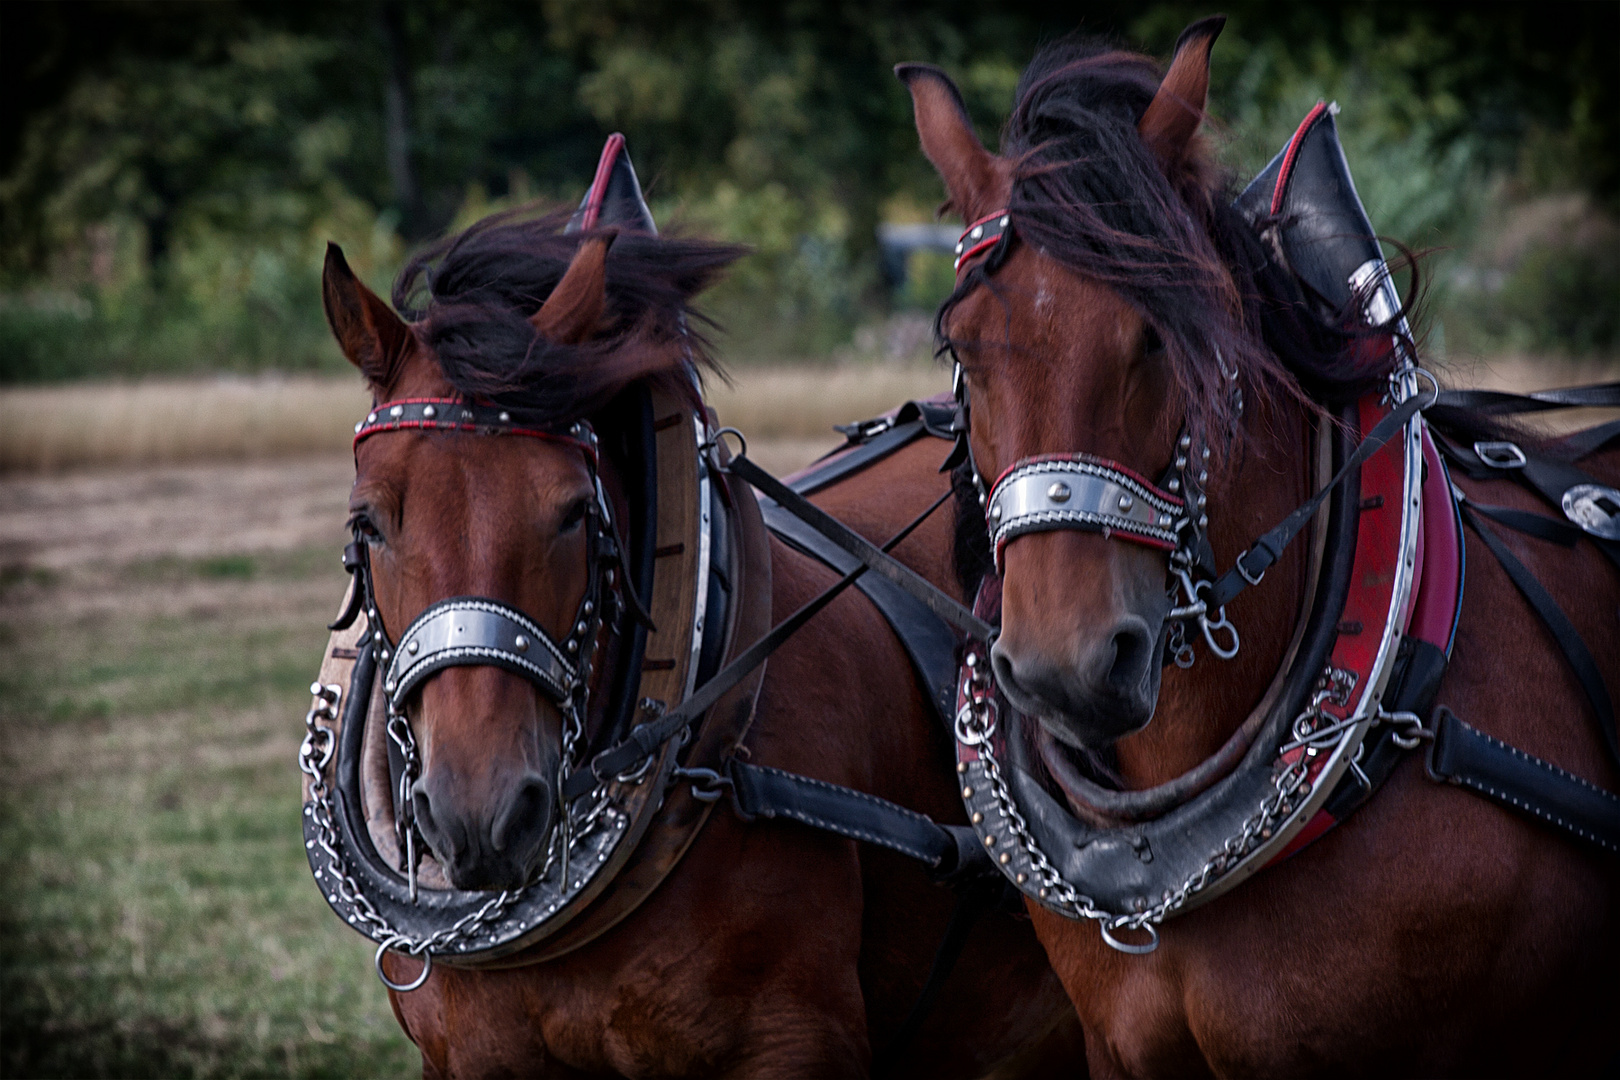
(170, 172)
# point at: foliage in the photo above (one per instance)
(170, 173)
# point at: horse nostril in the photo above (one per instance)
(527, 814)
(1133, 657)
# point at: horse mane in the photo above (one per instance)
(1089, 193)
(471, 294)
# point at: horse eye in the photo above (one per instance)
(362, 525)
(574, 515)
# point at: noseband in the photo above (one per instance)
(480, 631)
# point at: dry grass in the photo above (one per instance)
(48, 429)
(788, 411)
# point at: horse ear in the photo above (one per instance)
(372, 337)
(573, 311)
(1173, 116)
(971, 173)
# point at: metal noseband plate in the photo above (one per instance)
(1079, 492)
(470, 631)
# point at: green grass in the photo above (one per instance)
(159, 918)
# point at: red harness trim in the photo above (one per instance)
(604, 166)
(378, 421)
(1287, 171)
(992, 228)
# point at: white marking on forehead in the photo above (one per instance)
(1043, 296)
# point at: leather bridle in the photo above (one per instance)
(480, 631)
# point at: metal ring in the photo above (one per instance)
(402, 988)
(1418, 372)
(1124, 946)
(742, 440)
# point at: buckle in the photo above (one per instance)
(1500, 454)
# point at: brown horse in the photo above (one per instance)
(771, 949)
(1432, 932)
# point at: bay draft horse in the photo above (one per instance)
(1433, 932)
(771, 949)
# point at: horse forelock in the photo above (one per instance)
(471, 297)
(1090, 194)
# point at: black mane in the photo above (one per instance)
(1089, 193)
(471, 295)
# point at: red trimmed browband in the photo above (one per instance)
(981, 235)
(452, 414)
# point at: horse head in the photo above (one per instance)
(1103, 345)
(528, 332)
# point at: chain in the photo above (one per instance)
(1314, 729)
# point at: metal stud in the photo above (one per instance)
(1043, 893)
(359, 426)
(1005, 218)
(961, 766)
(967, 793)
(1181, 461)
(1203, 475)
(413, 647)
(1204, 453)
(995, 512)
(1006, 858)
(388, 687)
(977, 818)
(1058, 492)
(976, 232)
(1185, 442)
(385, 655)
(588, 608)
(1202, 500)
(572, 646)
(581, 626)
(506, 418)
(1126, 502)
(959, 248)
(397, 411)
(989, 841)
(429, 412)
(521, 643)
(1175, 484)
(371, 418)
(1164, 519)
(1203, 521)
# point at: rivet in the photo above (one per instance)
(572, 646)
(521, 643)
(961, 766)
(371, 418)
(1043, 894)
(1021, 878)
(989, 841)
(1203, 520)
(581, 626)
(1058, 492)
(977, 818)
(972, 660)
(413, 647)
(959, 249)
(967, 793)
(1126, 502)
(359, 426)
(1164, 519)
(1202, 501)
(588, 608)
(995, 512)
(1004, 219)
(397, 411)
(1006, 858)
(1185, 442)
(1174, 485)
(1203, 475)
(506, 418)
(385, 654)
(388, 687)
(978, 231)
(1205, 453)
(1181, 461)
(429, 412)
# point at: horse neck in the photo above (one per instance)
(1199, 708)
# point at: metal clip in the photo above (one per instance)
(1500, 454)
(709, 785)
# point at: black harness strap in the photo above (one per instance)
(872, 558)
(1563, 631)
(1524, 783)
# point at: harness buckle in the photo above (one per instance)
(709, 785)
(1500, 454)
(1252, 579)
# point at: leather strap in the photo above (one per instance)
(1563, 631)
(863, 549)
(1500, 403)
(1522, 782)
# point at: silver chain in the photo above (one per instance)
(1314, 728)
